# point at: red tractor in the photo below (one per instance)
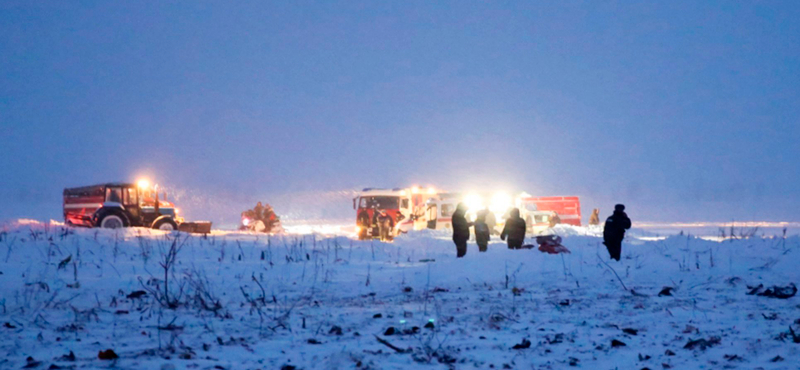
(116, 205)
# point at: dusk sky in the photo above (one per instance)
(682, 110)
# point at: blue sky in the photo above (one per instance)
(683, 110)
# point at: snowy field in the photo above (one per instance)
(242, 301)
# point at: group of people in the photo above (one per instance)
(514, 230)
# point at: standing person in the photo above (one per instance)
(482, 230)
(514, 230)
(554, 219)
(594, 219)
(460, 230)
(614, 231)
(385, 226)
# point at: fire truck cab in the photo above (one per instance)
(116, 205)
(406, 207)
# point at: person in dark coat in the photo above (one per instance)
(514, 230)
(482, 230)
(385, 226)
(460, 230)
(614, 231)
(594, 219)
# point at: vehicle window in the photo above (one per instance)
(114, 195)
(131, 196)
(363, 203)
(404, 204)
(447, 210)
(386, 202)
(531, 207)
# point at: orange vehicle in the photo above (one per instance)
(116, 205)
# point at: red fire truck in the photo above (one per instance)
(116, 205)
(537, 211)
(406, 207)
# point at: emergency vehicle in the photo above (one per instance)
(406, 207)
(439, 211)
(116, 205)
(537, 211)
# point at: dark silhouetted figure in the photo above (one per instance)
(482, 230)
(514, 230)
(460, 230)
(614, 231)
(594, 219)
(385, 226)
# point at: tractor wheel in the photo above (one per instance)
(166, 224)
(113, 221)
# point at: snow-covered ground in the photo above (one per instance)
(243, 301)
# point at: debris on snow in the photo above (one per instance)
(779, 292)
(666, 291)
(523, 345)
(108, 354)
(702, 343)
(615, 343)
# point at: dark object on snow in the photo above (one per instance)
(666, 291)
(8, 325)
(408, 289)
(429, 325)
(523, 345)
(779, 292)
(288, 367)
(313, 341)
(390, 331)
(669, 353)
(615, 343)
(702, 344)
(795, 337)
(68, 357)
(136, 294)
(630, 331)
(551, 244)
(64, 262)
(614, 231)
(644, 358)
(108, 354)
(460, 229)
(733, 358)
(514, 230)
(573, 361)
(377, 316)
(776, 359)
(335, 330)
(564, 302)
(31, 363)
